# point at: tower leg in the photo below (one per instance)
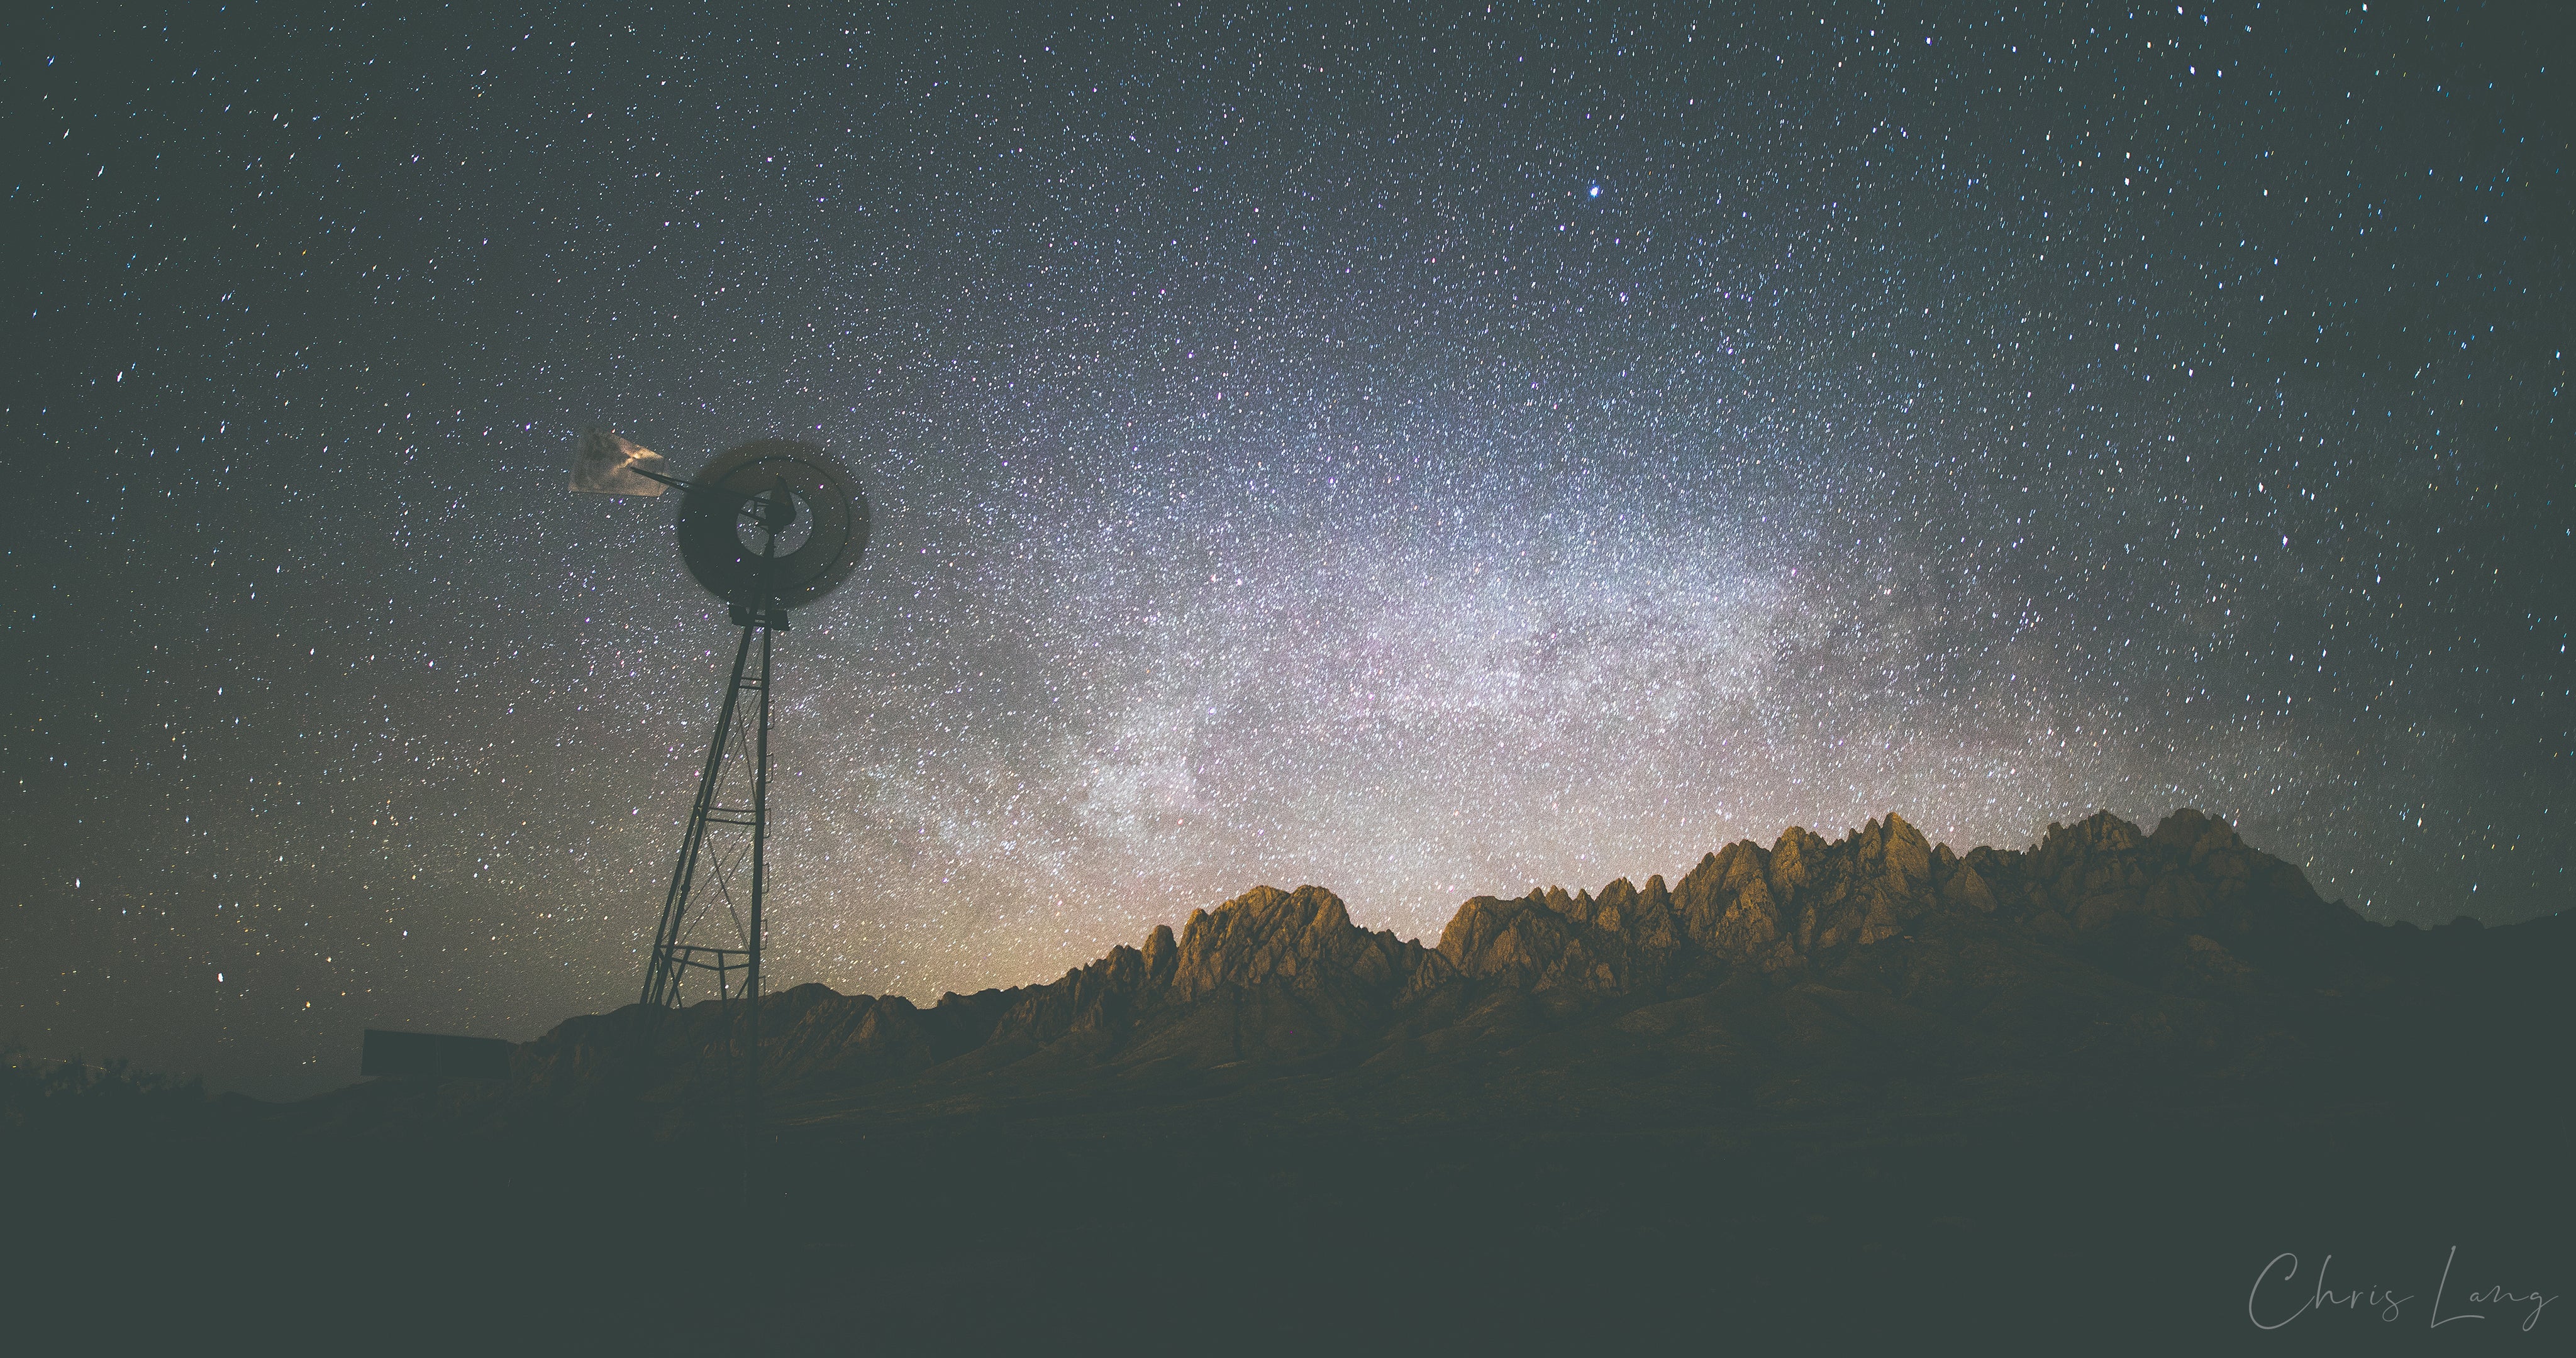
(671, 957)
(759, 883)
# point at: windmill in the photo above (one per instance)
(769, 526)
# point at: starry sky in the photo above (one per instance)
(1423, 452)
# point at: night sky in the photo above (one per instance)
(1424, 456)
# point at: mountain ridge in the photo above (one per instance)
(1880, 956)
(1868, 1083)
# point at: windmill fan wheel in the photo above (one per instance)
(774, 521)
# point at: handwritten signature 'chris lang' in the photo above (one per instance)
(2278, 1298)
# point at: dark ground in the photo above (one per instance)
(2101, 1224)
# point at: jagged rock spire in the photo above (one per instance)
(1281, 975)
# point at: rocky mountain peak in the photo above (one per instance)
(1278, 974)
(1267, 934)
(1780, 908)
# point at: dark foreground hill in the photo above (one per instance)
(1847, 1095)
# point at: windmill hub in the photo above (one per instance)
(775, 521)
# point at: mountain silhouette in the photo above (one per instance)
(1874, 972)
(1845, 1094)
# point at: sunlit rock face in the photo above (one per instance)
(1797, 966)
(1780, 908)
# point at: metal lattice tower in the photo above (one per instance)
(770, 525)
(673, 954)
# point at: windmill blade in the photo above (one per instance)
(608, 465)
